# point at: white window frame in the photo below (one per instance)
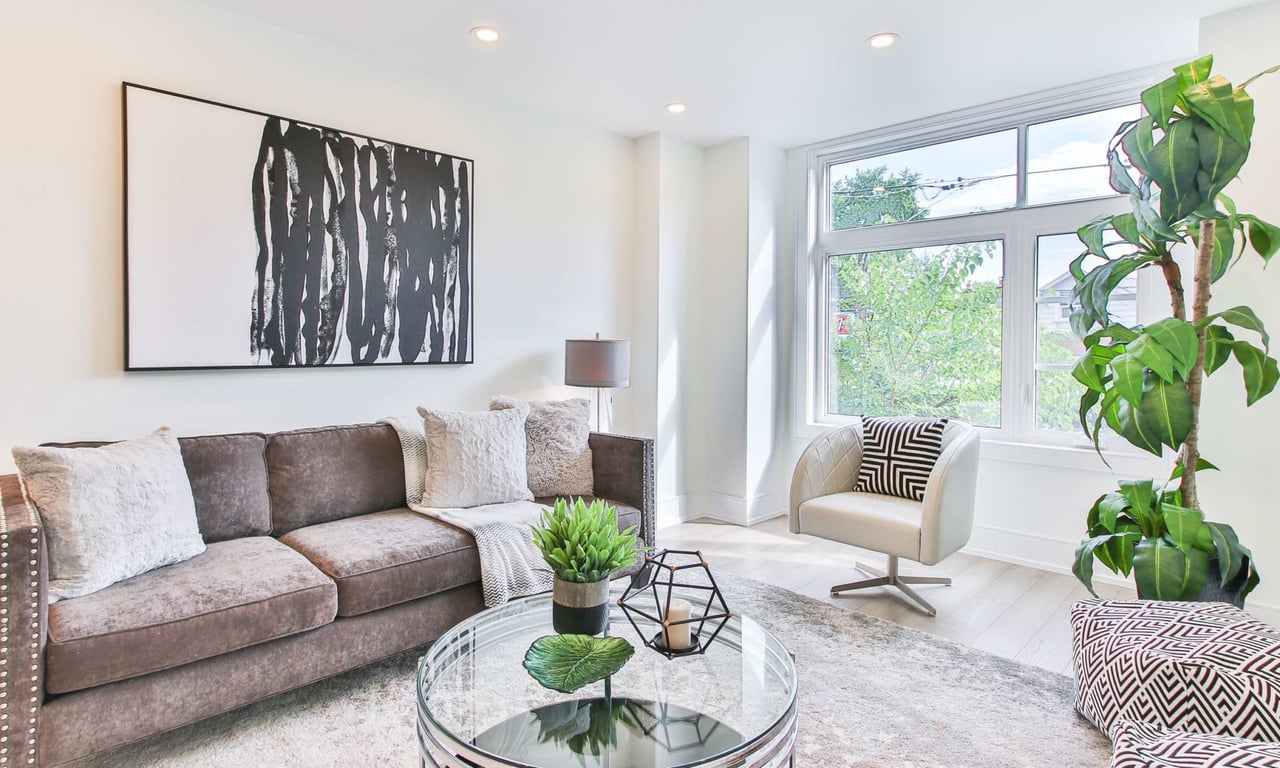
(1018, 227)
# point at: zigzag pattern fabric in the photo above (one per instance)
(1142, 745)
(1198, 667)
(898, 455)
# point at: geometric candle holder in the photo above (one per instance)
(667, 574)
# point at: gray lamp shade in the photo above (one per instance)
(597, 363)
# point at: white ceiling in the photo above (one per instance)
(788, 72)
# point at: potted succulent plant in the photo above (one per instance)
(1145, 382)
(583, 546)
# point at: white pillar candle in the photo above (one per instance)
(677, 635)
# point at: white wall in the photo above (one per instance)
(669, 208)
(553, 237)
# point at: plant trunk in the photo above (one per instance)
(1195, 380)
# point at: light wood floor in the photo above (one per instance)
(1009, 610)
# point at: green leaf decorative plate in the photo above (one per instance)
(565, 663)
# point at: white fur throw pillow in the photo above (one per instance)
(474, 458)
(112, 512)
(559, 456)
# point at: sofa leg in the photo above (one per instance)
(893, 579)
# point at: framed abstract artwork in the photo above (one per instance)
(253, 240)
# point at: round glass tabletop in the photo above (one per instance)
(735, 704)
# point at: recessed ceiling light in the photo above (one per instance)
(882, 39)
(485, 34)
(676, 107)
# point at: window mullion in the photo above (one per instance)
(1022, 166)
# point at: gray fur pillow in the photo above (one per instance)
(559, 456)
(112, 512)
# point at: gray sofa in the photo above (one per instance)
(314, 566)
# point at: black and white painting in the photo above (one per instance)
(253, 240)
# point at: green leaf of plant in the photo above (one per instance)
(1166, 410)
(1241, 317)
(1164, 572)
(1161, 98)
(1110, 507)
(1130, 374)
(1173, 164)
(1193, 72)
(1126, 226)
(1128, 423)
(1153, 355)
(1182, 525)
(1214, 100)
(566, 663)
(1139, 494)
(1264, 237)
(1138, 142)
(1221, 158)
(1088, 373)
(1091, 235)
(1227, 547)
(1260, 370)
(1179, 339)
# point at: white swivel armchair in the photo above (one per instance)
(823, 504)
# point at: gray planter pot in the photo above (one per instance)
(580, 609)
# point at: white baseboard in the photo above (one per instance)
(720, 506)
(670, 512)
(1055, 555)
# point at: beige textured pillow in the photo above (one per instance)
(111, 513)
(474, 458)
(559, 453)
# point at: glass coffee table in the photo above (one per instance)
(734, 705)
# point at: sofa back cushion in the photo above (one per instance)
(328, 473)
(228, 475)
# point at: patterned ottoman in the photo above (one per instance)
(1198, 667)
(1139, 745)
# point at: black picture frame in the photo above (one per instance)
(464, 325)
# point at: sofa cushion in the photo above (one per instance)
(228, 475)
(388, 557)
(328, 473)
(236, 594)
(229, 482)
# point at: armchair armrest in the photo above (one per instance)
(947, 518)
(23, 622)
(623, 470)
(829, 465)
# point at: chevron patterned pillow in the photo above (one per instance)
(1142, 745)
(898, 455)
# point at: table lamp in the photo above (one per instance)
(597, 363)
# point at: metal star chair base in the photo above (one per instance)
(893, 579)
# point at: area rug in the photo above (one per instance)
(872, 694)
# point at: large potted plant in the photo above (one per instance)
(583, 546)
(1145, 382)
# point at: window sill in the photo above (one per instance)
(1081, 459)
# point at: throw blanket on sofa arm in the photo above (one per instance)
(510, 563)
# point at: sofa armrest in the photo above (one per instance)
(23, 622)
(623, 469)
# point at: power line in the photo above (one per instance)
(948, 185)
